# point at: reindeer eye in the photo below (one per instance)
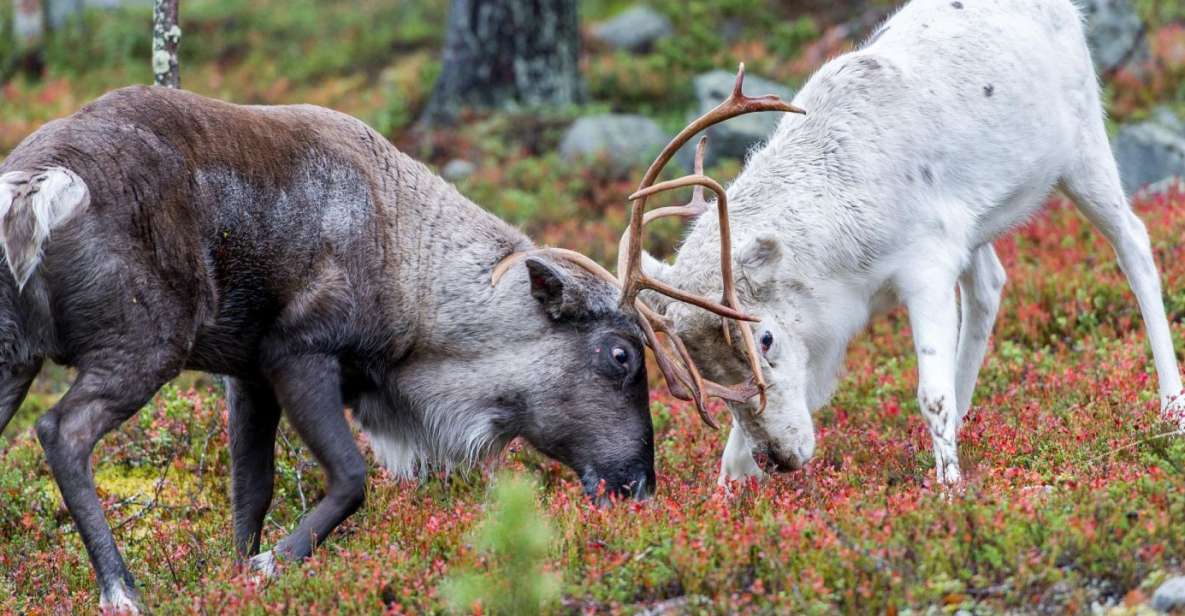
(767, 341)
(620, 356)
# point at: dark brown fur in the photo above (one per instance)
(296, 251)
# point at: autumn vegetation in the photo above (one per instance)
(1075, 491)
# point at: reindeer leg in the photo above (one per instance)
(254, 415)
(1094, 186)
(933, 316)
(15, 380)
(308, 388)
(98, 402)
(738, 462)
(980, 288)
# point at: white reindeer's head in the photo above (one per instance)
(718, 332)
(780, 436)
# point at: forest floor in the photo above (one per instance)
(1075, 492)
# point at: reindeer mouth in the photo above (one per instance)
(769, 462)
(604, 493)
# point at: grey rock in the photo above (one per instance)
(1114, 32)
(457, 169)
(734, 138)
(1170, 596)
(635, 29)
(622, 142)
(1151, 151)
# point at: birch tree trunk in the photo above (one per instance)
(166, 39)
(506, 54)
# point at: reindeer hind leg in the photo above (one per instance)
(1093, 184)
(99, 401)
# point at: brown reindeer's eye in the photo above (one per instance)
(767, 341)
(620, 356)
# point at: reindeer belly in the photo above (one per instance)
(230, 342)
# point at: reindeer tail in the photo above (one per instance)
(32, 204)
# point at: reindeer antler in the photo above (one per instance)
(683, 376)
(685, 382)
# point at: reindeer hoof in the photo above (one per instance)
(264, 564)
(949, 474)
(119, 601)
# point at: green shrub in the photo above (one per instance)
(513, 542)
(1159, 12)
(120, 38)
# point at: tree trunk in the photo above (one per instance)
(166, 38)
(508, 53)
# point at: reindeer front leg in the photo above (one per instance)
(738, 463)
(933, 316)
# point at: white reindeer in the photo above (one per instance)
(949, 128)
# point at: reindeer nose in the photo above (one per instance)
(805, 452)
(771, 462)
(637, 482)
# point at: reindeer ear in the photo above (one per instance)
(758, 260)
(557, 292)
(761, 253)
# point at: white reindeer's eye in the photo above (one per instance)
(767, 341)
(620, 356)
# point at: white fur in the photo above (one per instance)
(264, 563)
(118, 600)
(50, 197)
(947, 130)
(412, 442)
(414, 456)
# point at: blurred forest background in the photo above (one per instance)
(558, 162)
(1060, 518)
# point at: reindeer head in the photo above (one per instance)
(680, 371)
(779, 435)
(720, 333)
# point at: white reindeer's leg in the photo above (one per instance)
(1094, 186)
(738, 462)
(980, 288)
(934, 318)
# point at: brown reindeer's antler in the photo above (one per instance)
(685, 381)
(683, 376)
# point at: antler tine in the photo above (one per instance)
(734, 105)
(685, 381)
(698, 205)
(678, 378)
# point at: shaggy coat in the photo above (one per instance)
(296, 251)
(949, 128)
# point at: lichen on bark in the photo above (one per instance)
(166, 40)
